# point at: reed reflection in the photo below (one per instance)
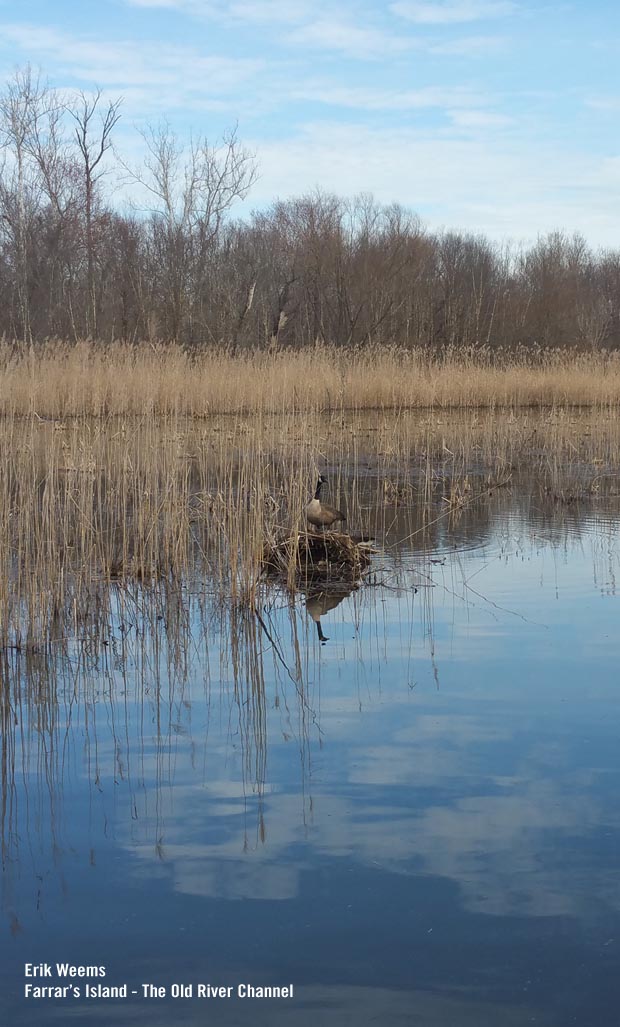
(126, 717)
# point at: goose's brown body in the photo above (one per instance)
(319, 514)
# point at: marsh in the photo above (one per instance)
(417, 818)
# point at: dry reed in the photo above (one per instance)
(60, 380)
(87, 504)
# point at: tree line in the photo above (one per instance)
(180, 266)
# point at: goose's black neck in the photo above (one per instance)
(319, 486)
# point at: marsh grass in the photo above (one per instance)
(161, 502)
(87, 380)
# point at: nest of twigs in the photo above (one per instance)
(321, 556)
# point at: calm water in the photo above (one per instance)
(415, 822)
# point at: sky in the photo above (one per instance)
(493, 116)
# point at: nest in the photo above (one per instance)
(322, 556)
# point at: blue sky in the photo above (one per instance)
(498, 116)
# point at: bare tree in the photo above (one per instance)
(93, 138)
(193, 191)
(315, 267)
(19, 108)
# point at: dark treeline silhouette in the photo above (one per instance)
(315, 268)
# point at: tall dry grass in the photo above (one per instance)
(88, 504)
(59, 380)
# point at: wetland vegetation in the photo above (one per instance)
(89, 380)
(86, 501)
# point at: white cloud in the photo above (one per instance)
(349, 39)
(604, 103)
(159, 78)
(254, 11)
(452, 13)
(479, 119)
(157, 3)
(362, 98)
(191, 6)
(317, 25)
(469, 46)
(279, 11)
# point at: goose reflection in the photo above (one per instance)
(320, 602)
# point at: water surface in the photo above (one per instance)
(414, 822)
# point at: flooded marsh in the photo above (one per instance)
(394, 789)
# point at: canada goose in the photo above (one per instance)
(319, 514)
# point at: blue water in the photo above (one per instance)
(415, 822)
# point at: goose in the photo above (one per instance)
(319, 514)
